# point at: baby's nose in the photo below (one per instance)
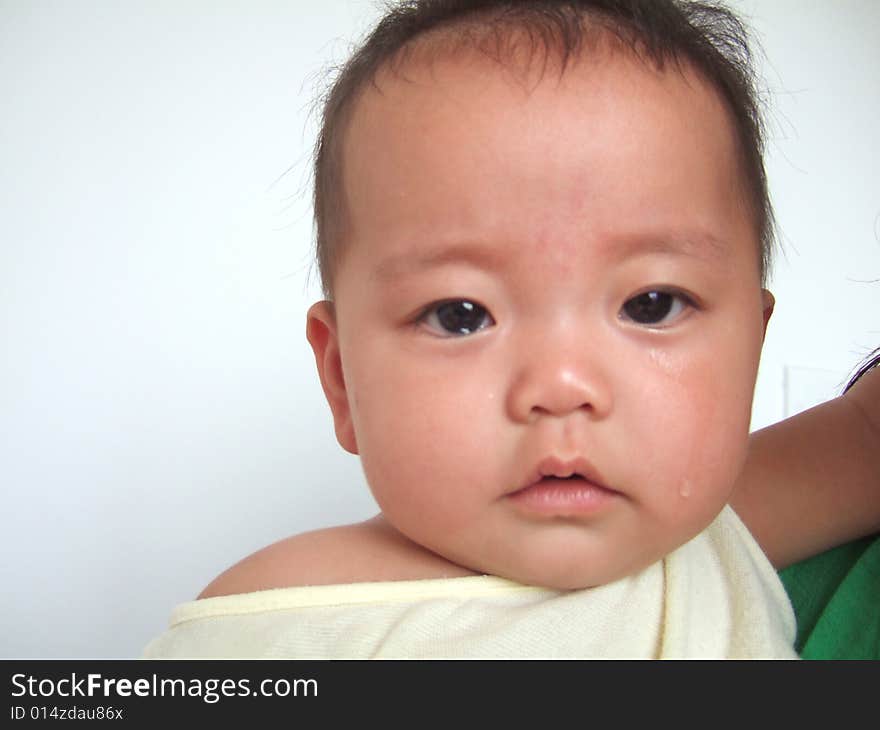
(559, 378)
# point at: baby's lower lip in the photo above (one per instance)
(558, 497)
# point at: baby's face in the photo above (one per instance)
(543, 283)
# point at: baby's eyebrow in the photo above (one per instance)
(698, 244)
(478, 255)
(619, 247)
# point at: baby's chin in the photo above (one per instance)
(567, 555)
(566, 564)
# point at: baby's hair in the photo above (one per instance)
(704, 36)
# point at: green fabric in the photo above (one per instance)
(836, 599)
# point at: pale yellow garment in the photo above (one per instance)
(717, 596)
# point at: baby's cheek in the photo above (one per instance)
(414, 434)
(693, 442)
(717, 440)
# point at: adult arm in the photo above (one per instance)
(812, 481)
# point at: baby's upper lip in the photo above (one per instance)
(556, 466)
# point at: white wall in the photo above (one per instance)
(159, 412)
(823, 161)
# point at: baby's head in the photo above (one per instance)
(543, 232)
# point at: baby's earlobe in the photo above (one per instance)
(322, 335)
(769, 302)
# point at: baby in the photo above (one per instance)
(544, 232)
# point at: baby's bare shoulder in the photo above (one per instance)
(367, 551)
(312, 558)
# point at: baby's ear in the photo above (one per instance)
(322, 336)
(769, 302)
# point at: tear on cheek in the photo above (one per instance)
(664, 362)
(685, 488)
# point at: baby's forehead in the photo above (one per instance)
(535, 48)
(449, 98)
(430, 68)
(458, 147)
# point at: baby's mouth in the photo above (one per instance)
(556, 469)
(572, 496)
(570, 479)
(563, 488)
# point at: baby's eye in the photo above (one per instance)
(456, 317)
(655, 308)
